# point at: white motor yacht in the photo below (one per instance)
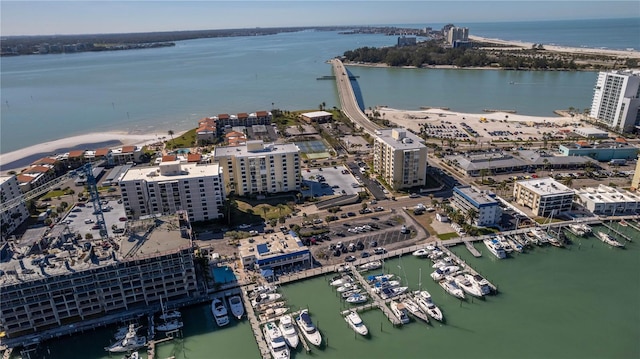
(341, 281)
(422, 252)
(273, 313)
(423, 300)
(543, 237)
(494, 246)
(356, 323)
(391, 292)
(442, 272)
(308, 329)
(357, 298)
(414, 309)
(236, 306)
(288, 330)
(219, 311)
(450, 286)
(435, 254)
(265, 298)
(277, 344)
(400, 312)
(347, 287)
(169, 325)
(466, 285)
(515, 245)
(480, 282)
(349, 293)
(370, 266)
(266, 289)
(446, 261)
(130, 342)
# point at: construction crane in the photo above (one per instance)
(94, 195)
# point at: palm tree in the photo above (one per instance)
(545, 164)
(483, 172)
(472, 213)
(170, 133)
(567, 181)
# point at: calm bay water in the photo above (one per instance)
(578, 302)
(151, 91)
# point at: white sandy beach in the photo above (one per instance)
(556, 48)
(89, 141)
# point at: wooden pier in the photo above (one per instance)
(377, 301)
(465, 266)
(617, 232)
(634, 225)
(476, 253)
(255, 327)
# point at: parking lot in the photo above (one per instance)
(83, 220)
(329, 181)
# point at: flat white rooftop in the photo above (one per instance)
(545, 186)
(400, 139)
(171, 170)
(255, 148)
(606, 194)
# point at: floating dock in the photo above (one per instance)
(255, 327)
(465, 266)
(476, 253)
(617, 232)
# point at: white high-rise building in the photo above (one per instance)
(616, 100)
(173, 186)
(258, 168)
(400, 158)
(12, 218)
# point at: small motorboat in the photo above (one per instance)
(422, 252)
(235, 304)
(265, 298)
(399, 311)
(169, 325)
(347, 287)
(357, 299)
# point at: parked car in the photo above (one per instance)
(350, 259)
(379, 250)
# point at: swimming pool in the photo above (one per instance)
(223, 275)
(182, 151)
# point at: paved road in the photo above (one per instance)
(348, 101)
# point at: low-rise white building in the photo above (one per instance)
(173, 186)
(488, 209)
(606, 200)
(545, 196)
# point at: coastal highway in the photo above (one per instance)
(348, 101)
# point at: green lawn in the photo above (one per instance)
(188, 139)
(264, 210)
(447, 236)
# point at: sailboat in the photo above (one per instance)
(170, 322)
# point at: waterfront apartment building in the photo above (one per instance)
(457, 34)
(635, 182)
(173, 186)
(400, 158)
(259, 168)
(608, 201)
(545, 196)
(76, 282)
(16, 212)
(616, 100)
(489, 212)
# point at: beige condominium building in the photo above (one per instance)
(400, 158)
(635, 183)
(173, 186)
(259, 168)
(544, 196)
(606, 200)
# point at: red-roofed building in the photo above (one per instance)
(35, 176)
(206, 132)
(169, 158)
(76, 154)
(194, 157)
(235, 138)
(226, 122)
(621, 140)
(45, 161)
(102, 152)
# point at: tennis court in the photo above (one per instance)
(313, 149)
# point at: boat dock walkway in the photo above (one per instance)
(151, 346)
(476, 253)
(255, 327)
(377, 301)
(634, 225)
(466, 267)
(617, 232)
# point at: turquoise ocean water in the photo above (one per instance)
(154, 90)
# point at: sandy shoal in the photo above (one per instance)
(556, 48)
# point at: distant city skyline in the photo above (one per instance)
(25, 17)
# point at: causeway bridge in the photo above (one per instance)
(348, 101)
